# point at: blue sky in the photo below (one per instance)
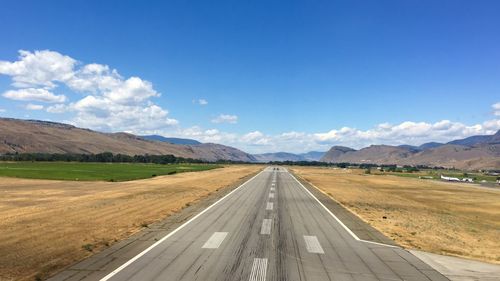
(275, 75)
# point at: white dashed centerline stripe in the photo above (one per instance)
(259, 269)
(269, 206)
(215, 240)
(312, 245)
(271, 195)
(266, 226)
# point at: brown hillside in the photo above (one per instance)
(29, 136)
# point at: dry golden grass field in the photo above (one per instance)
(44, 224)
(445, 218)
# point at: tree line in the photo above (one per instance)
(385, 167)
(107, 157)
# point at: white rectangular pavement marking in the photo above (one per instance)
(269, 206)
(266, 226)
(215, 240)
(259, 269)
(272, 188)
(271, 195)
(312, 245)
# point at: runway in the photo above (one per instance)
(270, 228)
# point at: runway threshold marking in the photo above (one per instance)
(266, 226)
(269, 206)
(312, 245)
(116, 271)
(215, 240)
(259, 270)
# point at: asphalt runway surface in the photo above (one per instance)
(270, 228)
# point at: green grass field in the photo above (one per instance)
(436, 175)
(94, 171)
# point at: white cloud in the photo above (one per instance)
(2, 110)
(110, 102)
(34, 94)
(132, 91)
(200, 102)
(40, 68)
(104, 114)
(31, 106)
(496, 109)
(94, 78)
(225, 118)
(413, 133)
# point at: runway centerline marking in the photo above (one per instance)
(269, 206)
(266, 226)
(312, 245)
(271, 195)
(259, 269)
(215, 240)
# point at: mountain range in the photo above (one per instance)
(31, 136)
(286, 156)
(476, 152)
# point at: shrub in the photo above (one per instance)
(88, 247)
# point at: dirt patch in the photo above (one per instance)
(48, 225)
(444, 218)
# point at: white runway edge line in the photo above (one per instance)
(269, 206)
(215, 240)
(259, 269)
(114, 272)
(312, 245)
(266, 226)
(337, 219)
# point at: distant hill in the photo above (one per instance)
(430, 145)
(477, 152)
(312, 155)
(31, 136)
(335, 154)
(278, 156)
(171, 140)
(476, 140)
(286, 156)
